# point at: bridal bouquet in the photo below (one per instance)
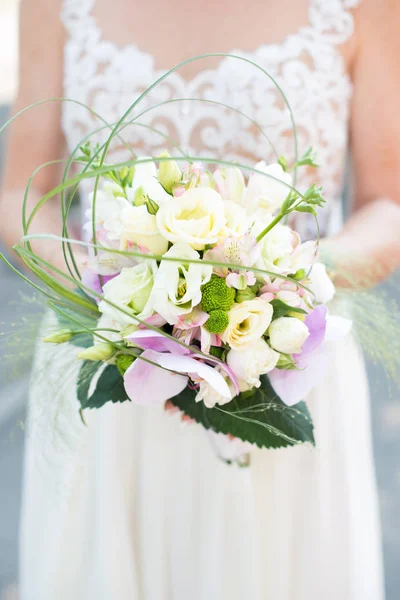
(205, 298)
(196, 291)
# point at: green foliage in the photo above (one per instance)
(109, 386)
(123, 362)
(217, 352)
(217, 322)
(217, 295)
(308, 159)
(79, 339)
(281, 309)
(260, 417)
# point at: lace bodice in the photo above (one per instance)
(307, 65)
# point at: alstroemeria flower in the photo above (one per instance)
(240, 281)
(242, 252)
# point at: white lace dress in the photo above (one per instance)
(137, 506)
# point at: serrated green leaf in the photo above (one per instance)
(109, 387)
(260, 418)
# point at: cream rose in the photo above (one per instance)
(321, 284)
(130, 290)
(145, 182)
(288, 334)
(140, 227)
(248, 321)
(237, 221)
(258, 359)
(196, 218)
(266, 192)
(108, 209)
(275, 249)
(177, 286)
(230, 184)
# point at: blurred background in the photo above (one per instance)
(13, 389)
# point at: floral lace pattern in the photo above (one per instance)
(307, 65)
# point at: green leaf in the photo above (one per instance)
(308, 158)
(82, 340)
(307, 209)
(281, 309)
(283, 162)
(289, 201)
(260, 417)
(109, 387)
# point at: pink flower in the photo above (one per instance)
(168, 373)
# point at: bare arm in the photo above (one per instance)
(371, 238)
(35, 137)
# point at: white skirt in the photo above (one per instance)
(137, 506)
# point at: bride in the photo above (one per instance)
(137, 505)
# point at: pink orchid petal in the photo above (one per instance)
(186, 364)
(316, 324)
(294, 385)
(92, 281)
(223, 366)
(155, 320)
(148, 339)
(147, 384)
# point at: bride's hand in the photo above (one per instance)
(171, 409)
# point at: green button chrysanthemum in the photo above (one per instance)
(217, 295)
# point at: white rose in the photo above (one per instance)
(230, 184)
(237, 221)
(321, 284)
(196, 218)
(140, 227)
(248, 322)
(108, 209)
(209, 396)
(130, 290)
(145, 182)
(265, 192)
(258, 359)
(275, 249)
(288, 334)
(177, 285)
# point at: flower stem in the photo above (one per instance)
(270, 226)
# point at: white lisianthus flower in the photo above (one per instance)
(195, 218)
(131, 290)
(230, 184)
(247, 365)
(248, 322)
(321, 284)
(266, 193)
(209, 396)
(275, 249)
(140, 227)
(108, 210)
(288, 334)
(145, 182)
(107, 322)
(237, 221)
(177, 286)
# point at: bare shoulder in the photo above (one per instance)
(42, 39)
(377, 19)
